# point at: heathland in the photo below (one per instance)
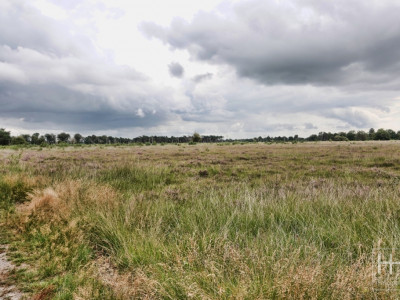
(205, 221)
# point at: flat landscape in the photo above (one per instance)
(205, 221)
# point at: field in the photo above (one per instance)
(205, 221)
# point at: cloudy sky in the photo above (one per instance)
(171, 67)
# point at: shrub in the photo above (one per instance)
(196, 137)
(340, 138)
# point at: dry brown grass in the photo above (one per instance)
(126, 285)
(241, 221)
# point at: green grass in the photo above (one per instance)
(250, 221)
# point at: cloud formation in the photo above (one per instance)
(176, 70)
(202, 77)
(50, 75)
(254, 68)
(329, 43)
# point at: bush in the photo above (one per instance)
(340, 138)
(19, 140)
(13, 191)
(196, 137)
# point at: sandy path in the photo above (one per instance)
(7, 291)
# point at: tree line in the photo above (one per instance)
(63, 137)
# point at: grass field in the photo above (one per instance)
(205, 221)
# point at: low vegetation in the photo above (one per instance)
(213, 221)
(63, 138)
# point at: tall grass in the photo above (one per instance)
(240, 221)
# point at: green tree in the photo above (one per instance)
(63, 137)
(313, 138)
(111, 140)
(27, 137)
(50, 138)
(371, 134)
(196, 137)
(340, 138)
(392, 134)
(351, 135)
(78, 138)
(102, 139)
(35, 138)
(5, 137)
(41, 140)
(382, 135)
(361, 135)
(88, 140)
(19, 140)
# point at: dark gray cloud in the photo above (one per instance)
(50, 76)
(310, 126)
(356, 118)
(333, 43)
(176, 70)
(202, 77)
(65, 108)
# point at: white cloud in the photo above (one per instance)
(250, 67)
(9, 72)
(140, 113)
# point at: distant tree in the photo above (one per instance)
(381, 135)
(313, 138)
(102, 139)
(371, 134)
(63, 137)
(50, 138)
(27, 137)
(392, 134)
(35, 138)
(324, 136)
(88, 140)
(340, 137)
(78, 138)
(344, 134)
(196, 137)
(5, 137)
(94, 139)
(351, 135)
(19, 140)
(361, 135)
(41, 140)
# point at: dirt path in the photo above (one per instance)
(7, 291)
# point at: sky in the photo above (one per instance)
(239, 69)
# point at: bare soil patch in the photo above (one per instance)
(7, 291)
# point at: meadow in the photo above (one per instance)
(205, 221)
